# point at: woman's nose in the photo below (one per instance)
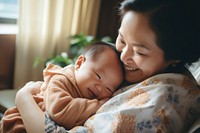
(126, 55)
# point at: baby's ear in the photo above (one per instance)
(79, 61)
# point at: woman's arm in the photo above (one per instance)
(32, 116)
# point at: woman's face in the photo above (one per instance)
(140, 54)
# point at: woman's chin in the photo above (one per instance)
(133, 77)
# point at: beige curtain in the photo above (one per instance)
(44, 28)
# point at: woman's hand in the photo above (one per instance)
(32, 116)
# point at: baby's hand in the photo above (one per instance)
(32, 87)
(104, 100)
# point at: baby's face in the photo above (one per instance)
(100, 78)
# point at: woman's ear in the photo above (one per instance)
(79, 61)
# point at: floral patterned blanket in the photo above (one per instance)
(167, 103)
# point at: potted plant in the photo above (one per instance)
(78, 43)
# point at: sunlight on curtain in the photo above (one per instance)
(44, 28)
(85, 16)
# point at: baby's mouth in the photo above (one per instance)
(92, 94)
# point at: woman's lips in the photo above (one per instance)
(130, 68)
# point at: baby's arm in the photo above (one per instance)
(63, 108)
(32, 116)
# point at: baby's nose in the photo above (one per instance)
(98, 88)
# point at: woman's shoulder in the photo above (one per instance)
(164, 80)
(178, 73)
(167, 78)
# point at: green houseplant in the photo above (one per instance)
(78, 43)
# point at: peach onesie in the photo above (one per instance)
(60, 97)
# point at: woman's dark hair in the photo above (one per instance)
(175, 23)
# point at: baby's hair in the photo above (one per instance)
(95, 50)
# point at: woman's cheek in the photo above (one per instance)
(119, 46)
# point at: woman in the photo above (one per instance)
(157, 39)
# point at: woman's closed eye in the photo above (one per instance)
(122, 41)
(139, 53)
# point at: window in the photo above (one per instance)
(9, 12)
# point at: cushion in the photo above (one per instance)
(7, 99)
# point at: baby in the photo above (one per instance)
(72, 94)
